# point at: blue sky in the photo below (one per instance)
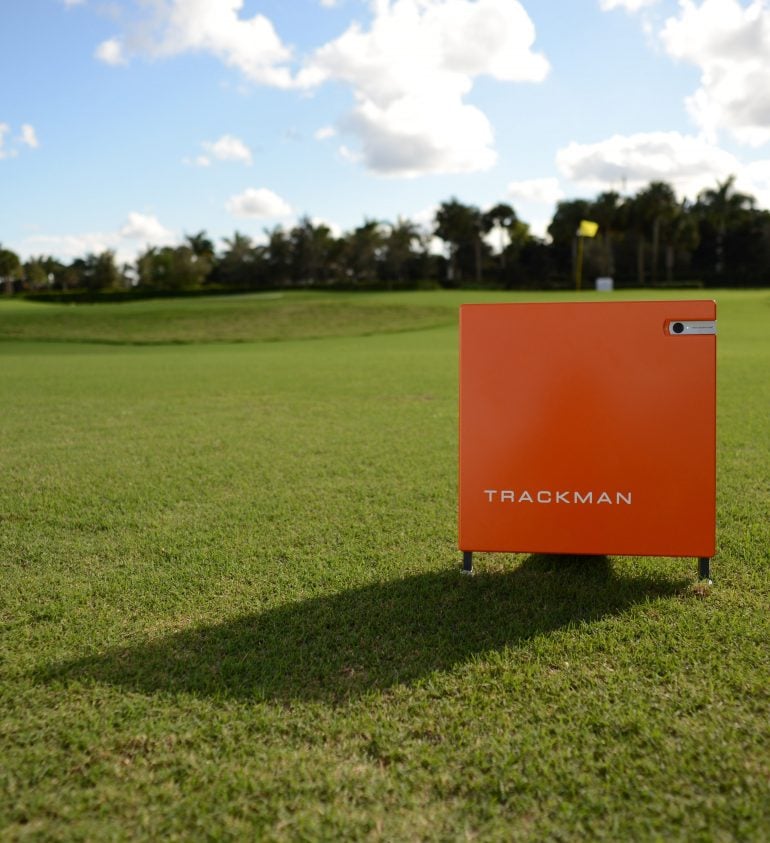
(125, 123)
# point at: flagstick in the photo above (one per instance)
(579, 264)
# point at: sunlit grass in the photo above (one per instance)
(230, 603)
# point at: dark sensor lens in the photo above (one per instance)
(677, 327)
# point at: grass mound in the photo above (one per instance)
(246, 318)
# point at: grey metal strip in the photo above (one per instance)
(691, 327)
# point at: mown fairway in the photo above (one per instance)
(231, 606)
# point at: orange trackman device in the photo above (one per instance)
(588, 428)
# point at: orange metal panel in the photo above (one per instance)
(587, 428)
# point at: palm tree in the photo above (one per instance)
(201, 254)
(607, 210)
(637, 219)
(200, 245)
(460, 227)
(364, 250)
(399, 249)
(237, 266)
(303, 259)
(10, 268)
(562, 231)
(501, 217)
(722, 207)
(679, 232)
(654, 204)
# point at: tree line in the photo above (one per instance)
(649, 239)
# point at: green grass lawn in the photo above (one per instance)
(230, 605)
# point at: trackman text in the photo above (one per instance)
(548, 496)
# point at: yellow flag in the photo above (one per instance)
(587, 228)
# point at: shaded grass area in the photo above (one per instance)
(230, 609)
(374, 637)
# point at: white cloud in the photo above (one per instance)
(138, 232)
(111, 52)
(259, 203)
(67, 247)
(146, 228)
(632, 161)
(348, 154)
(172, 27)
(546, 191)
(689, 164)
(228, 148)
(754, 179)
(628, 5)
(251, 45)
(28, 136)
(324, 133)
(730, 43)
(411, 71)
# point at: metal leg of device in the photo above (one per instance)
(704, 568)
(467, 562)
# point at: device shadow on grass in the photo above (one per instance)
(333, 647)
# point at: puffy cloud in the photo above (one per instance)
(414, 137)
(67, 247)
(28, 136)
(324, 133)
(456, 38)
(146, 228)
(688, 163)
(411, 71)
(251, 45)
(544, 191)
(730, 43)
(754, 179)
(139, 231)
(173, 27)
(227, 148)
(348, 154)
(111, 52)
(259, 203)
